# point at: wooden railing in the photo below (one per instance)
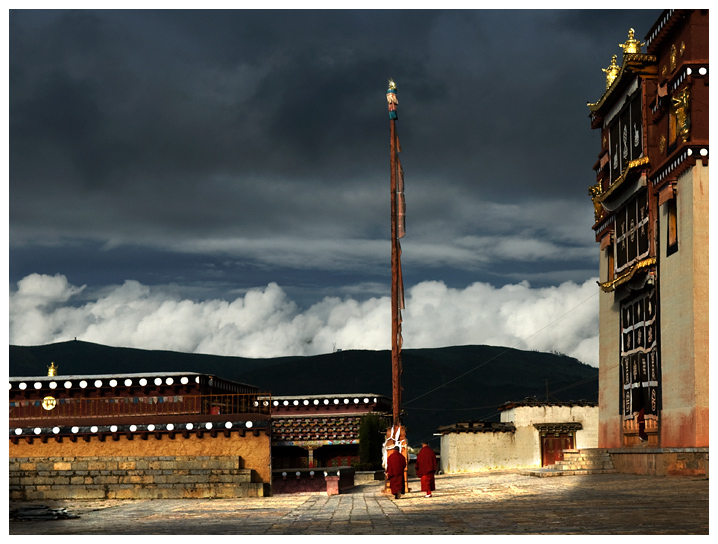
(108, 407)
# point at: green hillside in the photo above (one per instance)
(441, 386)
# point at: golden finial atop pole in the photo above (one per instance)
(632, 45)
(611, 72)
(52, 370)
(392, 100)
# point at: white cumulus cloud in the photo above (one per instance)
(265, 322)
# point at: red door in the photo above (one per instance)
(552, 446)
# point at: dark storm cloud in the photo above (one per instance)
(211, 131)
(217, 181)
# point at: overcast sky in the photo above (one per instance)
(218, 181)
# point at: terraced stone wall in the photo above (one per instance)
(55, 478)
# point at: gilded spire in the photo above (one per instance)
(611, 72)
(52, 370)
(392, 100)
(632, 45)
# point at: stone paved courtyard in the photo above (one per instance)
(501, 503)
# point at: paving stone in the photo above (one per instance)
(500, 503)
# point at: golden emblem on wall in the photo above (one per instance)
(673, 57)
(48, 403)
(683, 48)
(662, 145)
(681, 104)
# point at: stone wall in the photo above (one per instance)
(166, 477)
(252, 447)
(661, 461)
(684, 292)
(475, 452)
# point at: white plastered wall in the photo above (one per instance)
(479, 451)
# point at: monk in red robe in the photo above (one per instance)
(395, 465)
(426, 468)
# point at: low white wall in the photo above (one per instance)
(478, 451)
(474, 452)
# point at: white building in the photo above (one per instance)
(531, 434)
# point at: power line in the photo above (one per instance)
(455, 409)
(570, 386)
(576, 384)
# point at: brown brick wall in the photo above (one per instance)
(253, 449)
(109, 477)
(149, 466)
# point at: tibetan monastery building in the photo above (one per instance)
(317, 436)
(170, 435)
(651, 223)
(177, 435)
(321, 430)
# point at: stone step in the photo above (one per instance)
(578, 462)
(576, 466)
(585, 459)
(548, 472)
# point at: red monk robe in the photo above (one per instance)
(395, 465)
(426, 468)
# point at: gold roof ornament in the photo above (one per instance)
(611, 72)
(595, 191)
(632, 45)
(634, 62)
(392, 85)
(52, 370)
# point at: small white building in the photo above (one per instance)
(531, 434)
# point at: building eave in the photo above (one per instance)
(626, 174)
(609, 286)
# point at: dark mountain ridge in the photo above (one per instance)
(441, 386)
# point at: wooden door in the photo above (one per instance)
(552, 446)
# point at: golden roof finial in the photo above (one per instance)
(632, 45)
(52, 370)
(392, 85)
(611, 72)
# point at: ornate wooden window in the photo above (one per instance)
(625, 134)
(640, 363)
(632, 242)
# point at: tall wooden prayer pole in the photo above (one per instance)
(396, 435)
(396, 288)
